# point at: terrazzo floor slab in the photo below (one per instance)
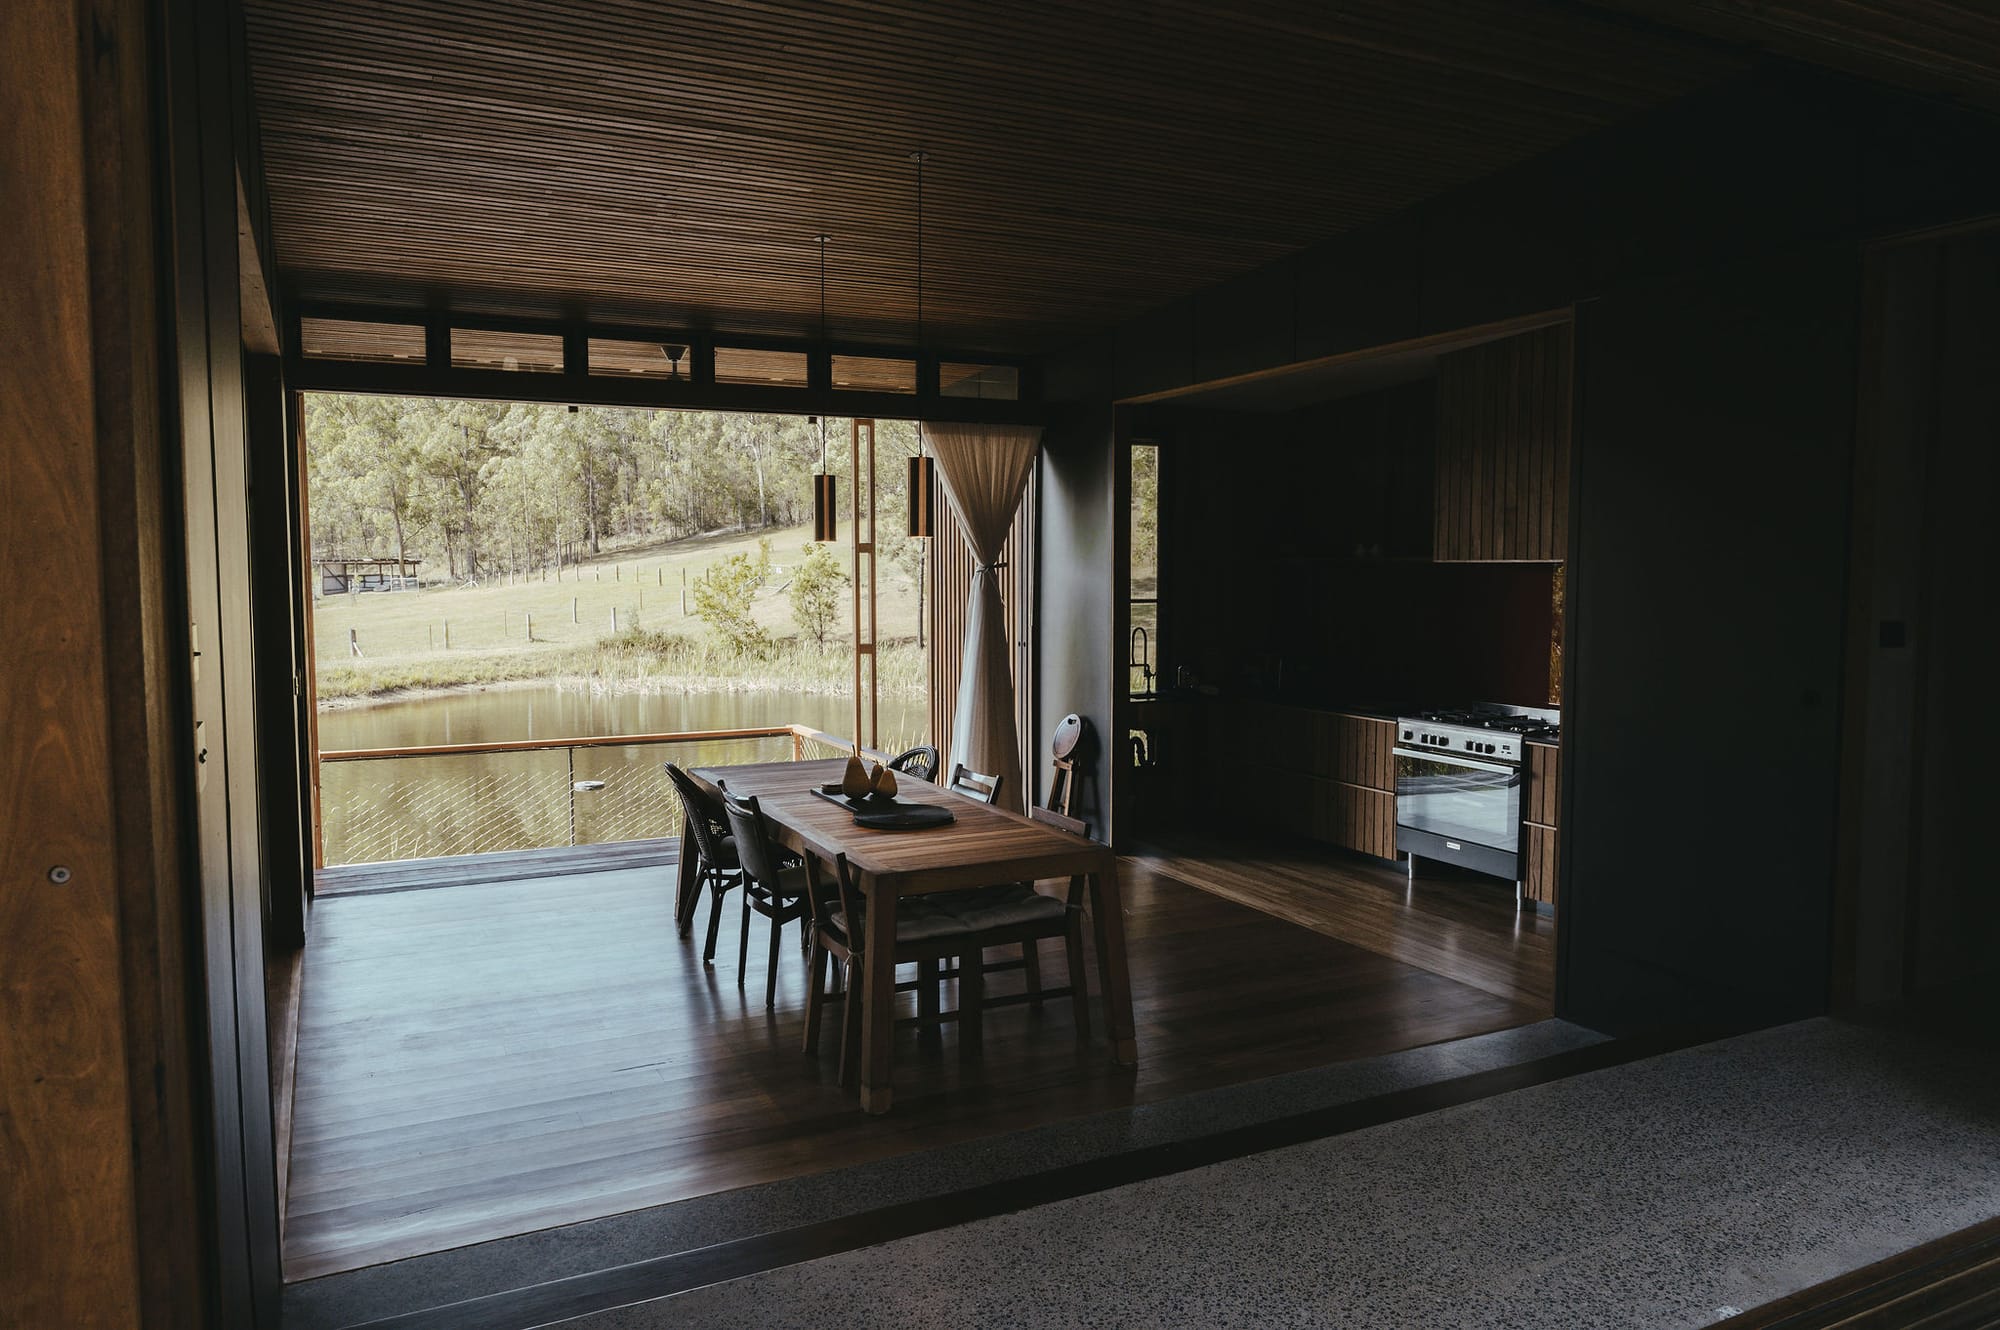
(575, 1249)
(1670, 1192)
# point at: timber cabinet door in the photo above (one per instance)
(1329, 775)
(1539, 838)
(1503, 440)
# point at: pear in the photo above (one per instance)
(854, 782)
(884, 781)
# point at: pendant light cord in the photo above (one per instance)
(822, 338)
(919, 158)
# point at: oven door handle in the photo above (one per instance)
(1453, 760)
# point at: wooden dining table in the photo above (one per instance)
(982, 846)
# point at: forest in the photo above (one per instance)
(478, 489)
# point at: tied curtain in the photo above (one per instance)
(984, 470)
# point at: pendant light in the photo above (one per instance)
(824, 505)
(922, 519)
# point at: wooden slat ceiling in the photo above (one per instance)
(672, 162)
(1948, 48)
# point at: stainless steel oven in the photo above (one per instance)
(1458, 785)
(1459, 809)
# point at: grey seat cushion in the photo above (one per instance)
(916, 921)
(1005, 907)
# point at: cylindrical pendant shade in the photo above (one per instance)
(823, 507)
(923, 516)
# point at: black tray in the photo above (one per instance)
(890, 814)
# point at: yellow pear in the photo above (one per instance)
(854, 783)
(884, 781)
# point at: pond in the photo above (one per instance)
(419, 807)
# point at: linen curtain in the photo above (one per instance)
(984, 470)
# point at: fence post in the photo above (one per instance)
(684, 593)
(617, 572)
(614, 618)
(572, 610)
(447, 634)
(430, 638)
(531, 625)
(660, 576)
(353, 643)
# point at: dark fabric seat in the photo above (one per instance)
(917, 920)
(1014, 906)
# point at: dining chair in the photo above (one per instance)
(924, 933)
(1016, 913)
(921, 762)
(772, 887)
(717, 866)
(973, 784)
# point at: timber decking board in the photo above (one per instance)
(486, 1059)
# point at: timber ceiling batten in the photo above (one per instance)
(658, 164)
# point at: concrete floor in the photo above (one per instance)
(1669, 1192)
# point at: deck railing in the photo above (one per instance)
(433, 800)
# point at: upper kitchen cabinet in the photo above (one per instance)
(1503, 439)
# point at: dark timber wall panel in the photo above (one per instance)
(1503, 445)
(1714, 427)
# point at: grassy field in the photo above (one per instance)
(402, 636)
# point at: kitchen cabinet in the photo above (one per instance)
(1501, 483)
(1328, 775)
(1540, 812)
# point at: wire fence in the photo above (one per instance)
(380, 805)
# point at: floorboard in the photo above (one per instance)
(489, 1058)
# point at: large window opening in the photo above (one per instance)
(498, 573)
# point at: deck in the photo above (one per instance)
(503, 1053)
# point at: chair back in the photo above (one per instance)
(921, 762)
(753, 843)
(974, 785)
(704, 815)
(1061, 821)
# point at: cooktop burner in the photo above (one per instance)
(1528, 722)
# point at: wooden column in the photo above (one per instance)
(99, 1216)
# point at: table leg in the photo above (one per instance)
(1107, 915)
(687, 888)
(878, 1023)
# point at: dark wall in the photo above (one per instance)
(1304, 538)
(1785, 160)
(1079, 618)
(1707, 598)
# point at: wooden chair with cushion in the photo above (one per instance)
(716, 866)
(921, 762)
(1016, 913)
(924, 934)
(773, 887)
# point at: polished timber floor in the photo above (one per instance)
(491, 1058)
(1675, 1191)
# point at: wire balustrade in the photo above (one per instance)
(377, 805)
